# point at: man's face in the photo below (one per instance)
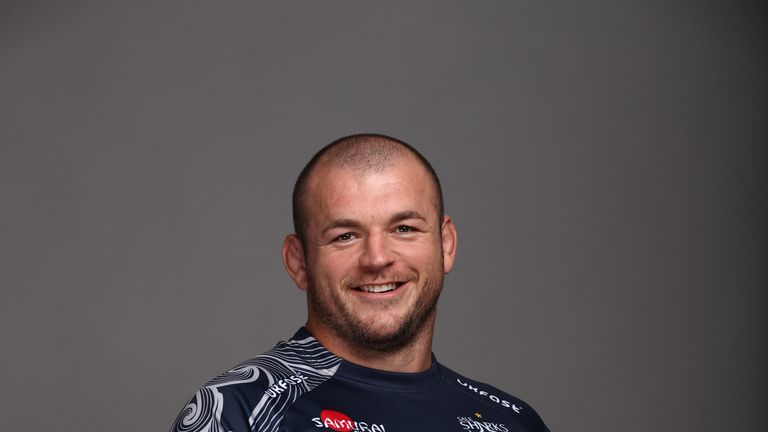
(374, 254)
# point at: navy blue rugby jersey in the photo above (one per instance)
(299, 386)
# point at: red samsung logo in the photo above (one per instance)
(337, 421)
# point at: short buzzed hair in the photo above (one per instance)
(360, 152)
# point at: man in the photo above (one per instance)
(371, 248)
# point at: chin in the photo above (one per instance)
(387, 336)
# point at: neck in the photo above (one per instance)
(415, 356)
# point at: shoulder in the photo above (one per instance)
(255, 394)
(495, 398)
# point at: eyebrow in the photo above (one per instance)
(343, 223)
(352, 223)
(407, 214)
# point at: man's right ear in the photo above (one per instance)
(293, 259)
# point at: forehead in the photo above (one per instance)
(334, 190)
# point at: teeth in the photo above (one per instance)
(378, 288)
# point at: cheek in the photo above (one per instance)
(333, 267)
(422, 254)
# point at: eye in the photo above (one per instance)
(404, 229)
(344, 237)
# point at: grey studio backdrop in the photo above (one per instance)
(604, 164)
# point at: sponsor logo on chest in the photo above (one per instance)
(338, 421)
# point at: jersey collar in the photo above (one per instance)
(397, 381)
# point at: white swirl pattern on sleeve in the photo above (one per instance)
(304, 358)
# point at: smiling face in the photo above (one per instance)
(375, 254)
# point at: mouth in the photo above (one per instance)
(380, 288)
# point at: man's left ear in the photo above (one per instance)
(449, 243)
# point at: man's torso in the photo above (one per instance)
(299, 386)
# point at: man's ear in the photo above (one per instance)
(293, 259)
(449, 243)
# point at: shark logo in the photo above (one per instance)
(476, 423)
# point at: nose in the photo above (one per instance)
(376, 254)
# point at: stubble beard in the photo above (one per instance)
(336, 315)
